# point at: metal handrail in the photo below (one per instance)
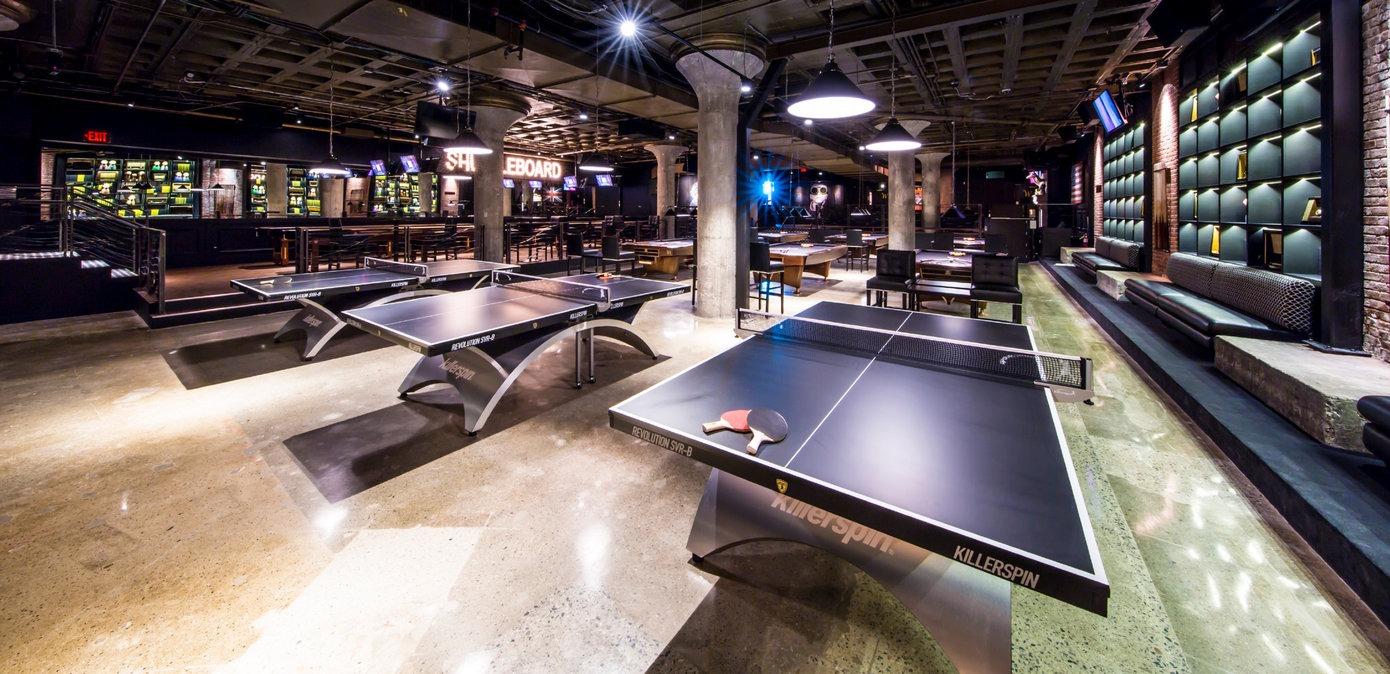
(86, 226)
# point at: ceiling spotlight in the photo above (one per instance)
(583, 116)
(807, 122)
(417, 136)
(298, 121)
(442, 86)
(627, 28)
(670, 136)
(861, 148)
(755, 157)
(130, 105)
(745, 87)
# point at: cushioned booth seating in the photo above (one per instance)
(1206, 298)
(1376, 433)
(1110, 255)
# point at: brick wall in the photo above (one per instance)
(1165, 156)
(1375, 88)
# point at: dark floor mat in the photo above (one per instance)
(357, 454)
(208, 363)
(353, 455)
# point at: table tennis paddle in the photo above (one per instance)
(767, 426)
(732, 420)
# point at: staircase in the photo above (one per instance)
(65, 253)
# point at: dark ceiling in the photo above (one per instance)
(1003, 74)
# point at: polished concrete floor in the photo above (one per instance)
(194, 498)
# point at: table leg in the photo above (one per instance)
(967, 611)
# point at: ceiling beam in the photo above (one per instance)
(916, 23)
(1137, 33)
(1013, 46)
(955, 48)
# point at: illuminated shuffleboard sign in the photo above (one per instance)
(517, 166)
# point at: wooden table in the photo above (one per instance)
(873, 241)
(799, 259)
(663, 256)
(778, 236)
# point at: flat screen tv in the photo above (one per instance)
(571, 183)
(535, 184)
(409, 164)
(604, 180)
(1107, 112)
(378, 167)
(508, 183)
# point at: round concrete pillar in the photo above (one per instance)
(718, 93)
(931, 187)
(901, 173)
(666, 156)
(494, 112)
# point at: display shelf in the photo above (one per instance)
(1250, 154)
(1124, 190)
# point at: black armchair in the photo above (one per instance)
(574, 249)
(858, 250)
(995, 279)
(996, 243)
(613, 252)
(764, 271)
(894, 272)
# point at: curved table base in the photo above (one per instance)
(320, 323)
(483, 374)
(967, 611)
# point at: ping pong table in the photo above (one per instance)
(924, 449)
(322, 295)
(479, 341)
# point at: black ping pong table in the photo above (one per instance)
(479, 341)
(925, 449)
(322, 295)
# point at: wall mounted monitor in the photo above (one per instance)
(571, 183)
(604, 180)
(1108, 112)
(378, 167)
(535, 184)
(410, 164)
(508, 183)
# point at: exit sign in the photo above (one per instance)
(95, 136)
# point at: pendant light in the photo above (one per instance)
(893, 137)
(467, 142)
(330, 166)
(596, 163)
(831, 95)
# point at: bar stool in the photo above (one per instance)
(763, 270)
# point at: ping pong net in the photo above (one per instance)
(571, 290)
(1069, 377)
(409, 268)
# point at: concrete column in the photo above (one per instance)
(901, 172)
(718, 92)
(931, 187)
(666, 156)
(331, 193)
(277, 190)
(495, 112)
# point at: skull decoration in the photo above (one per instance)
(819, 194)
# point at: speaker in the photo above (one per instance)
(1085, 113)
(1173, 20)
